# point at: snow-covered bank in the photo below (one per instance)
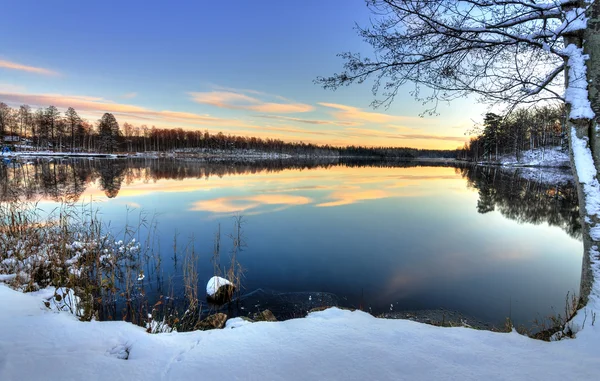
(34, 154)
(38, 344)
(542, 157)
(549, 166)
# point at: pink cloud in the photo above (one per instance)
(30, 69)
(97, 106)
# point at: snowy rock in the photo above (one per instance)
(238, 322)
(219, 290)
(266, 315)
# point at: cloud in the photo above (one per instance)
(364, 132)
(434, 137)
(129, 95)
(349, 113)
(30, 69)
(99, 105)
(240, 100)
(309, 121)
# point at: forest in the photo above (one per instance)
(49, 129)
(516, 131)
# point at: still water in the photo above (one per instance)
(383, 236)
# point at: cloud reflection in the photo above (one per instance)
(238, 204)
(352, 197)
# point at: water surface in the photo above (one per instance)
(381, 236)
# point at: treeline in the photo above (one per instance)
(515, 132)
(49, 129)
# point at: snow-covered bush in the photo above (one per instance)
(67, 248)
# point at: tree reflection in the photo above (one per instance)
(499, 190)
(524, 200)
(112, 174)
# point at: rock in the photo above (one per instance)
(219, 290)
(216, 321)
(266, 315)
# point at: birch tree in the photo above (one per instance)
(510, 52)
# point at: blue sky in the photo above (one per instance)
(241, 67)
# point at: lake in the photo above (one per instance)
(383, 236)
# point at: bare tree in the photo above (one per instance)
(52, 116)
(25, 119)
(73, 121)
(507, 51)
(5, 115)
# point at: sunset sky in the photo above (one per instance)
(237, 66)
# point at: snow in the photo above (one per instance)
(213, 284)
(574, 20)
(50, 154)
(576, 92)
(38, 344)
(7, 277)
(586, 173)
(548, 157)
(60, 299)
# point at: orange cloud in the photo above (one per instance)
(129, 95)
(240, 101)
(363, 132)
(30, 69)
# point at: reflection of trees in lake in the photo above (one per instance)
(67, 179)
(112, 174)
(523, 200)
(44, 179)
(505, 191)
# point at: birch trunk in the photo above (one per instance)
(586, 130)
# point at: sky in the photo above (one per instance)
(236, 66)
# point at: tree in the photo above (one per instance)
(73, 121)
(128, 132)
(25, 119)
(5, 116)
(52, 116)
(491, 133)
(506, 51)
(108, 131)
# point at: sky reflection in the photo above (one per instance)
(485, 244)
